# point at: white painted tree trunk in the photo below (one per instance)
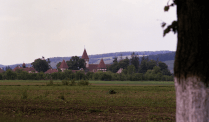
(192, 103)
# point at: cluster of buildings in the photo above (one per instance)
(90, 67)
(24, 68)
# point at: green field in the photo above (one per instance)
(43, 82)
(137, 101)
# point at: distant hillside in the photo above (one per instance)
(163, 57)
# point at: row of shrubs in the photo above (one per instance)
(70, 83)
(68, 74)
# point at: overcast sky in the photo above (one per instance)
(30, 29)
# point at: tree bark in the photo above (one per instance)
(191, 67)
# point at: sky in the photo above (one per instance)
(30, 29)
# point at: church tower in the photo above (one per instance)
(86, 58)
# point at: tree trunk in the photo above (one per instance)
(192, 102)
(191, 67)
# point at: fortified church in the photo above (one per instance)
(94, 67)
(90, 67)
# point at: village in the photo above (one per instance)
(89, 67)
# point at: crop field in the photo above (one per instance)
(101, 101)
(126, 83)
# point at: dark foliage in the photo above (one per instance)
(76, 63)
(41, 65)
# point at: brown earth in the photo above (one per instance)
(65, 111)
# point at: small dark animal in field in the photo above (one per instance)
(112, 92)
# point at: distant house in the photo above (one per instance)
(120, 71)
(27, 69)
(51, 71)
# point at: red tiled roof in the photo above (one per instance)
(85, 56)
(17, 68)
(51, 71)
(1, 70)
(107, 65)
(101, 64)
(29, 69)
(63, 64)
(92, 67)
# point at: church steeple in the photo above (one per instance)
(86, 58)
(23, 65)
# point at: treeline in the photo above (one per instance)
(143, 69)
(80, 75)
(138, 65)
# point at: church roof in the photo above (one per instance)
(51, 71)
(92, 67)
(63, 64)
(85, 56)
(101, 64)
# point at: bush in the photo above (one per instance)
(40, 75)
(54, 76)
(65, 82)
(23, 75)
(122, 77)
(89, 75)
(48, 76)
(33, 76)
(80, 75)
(51, 83)
(158, 76)
(72, 82)
(115, 76)
(10, 75)
(167, 78)
(105, 76)
(60, 75)
(96, 76)
(24, 94)
(1, 77)
(68, 74)
(137, 76)
(83, 83)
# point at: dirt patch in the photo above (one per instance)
(65, 111)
